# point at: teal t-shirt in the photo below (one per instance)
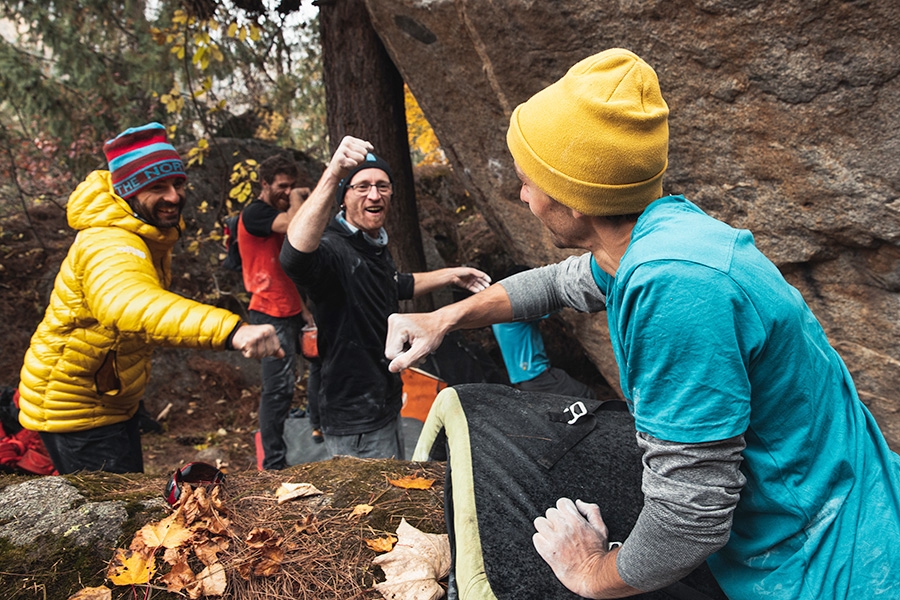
(711, 343)
(522, 348)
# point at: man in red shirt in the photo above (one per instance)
(274, 297)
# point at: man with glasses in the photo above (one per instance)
(348, 270)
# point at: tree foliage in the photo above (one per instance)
(73, 73)
(424, 147)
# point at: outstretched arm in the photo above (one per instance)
(464, 277)
(309, 222)
(411, 337)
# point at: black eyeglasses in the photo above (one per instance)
(364, 187)
(196, 473)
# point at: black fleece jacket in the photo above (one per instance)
(354, 287)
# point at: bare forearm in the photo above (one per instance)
(428, 281)
(467, 278)
(309, 220)
(607, 583)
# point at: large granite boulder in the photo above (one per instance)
(785, 120)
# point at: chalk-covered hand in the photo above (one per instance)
(410, 338)
(351, 152)
(573, 539)
(257, 341)
(469, 278)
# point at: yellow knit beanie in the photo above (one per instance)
(597, 139)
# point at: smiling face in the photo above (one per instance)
(278, 193)
(160, 203)
(368, 211)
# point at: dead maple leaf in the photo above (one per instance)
(290, 491)
(215, 498)
(208, 550)
(415, 565)
(129, 567)
(179, 577)
(383, 544)
(307, 523)
(214, 525)
(412, 483)
(266, 553)
(212, 580)
(92, 593)
(262, 536)
(194, 504)
(168, 533)
(176, 555)
(361, 509)
(270, 561)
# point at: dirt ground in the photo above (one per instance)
(208, 400)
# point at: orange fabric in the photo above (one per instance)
(419, 391)
(272, 292)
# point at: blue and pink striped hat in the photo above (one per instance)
(140, 156)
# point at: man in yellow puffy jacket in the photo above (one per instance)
(89, 360)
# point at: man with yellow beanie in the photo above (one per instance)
(758, 456)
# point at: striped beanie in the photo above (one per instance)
(140, 156)
(596, 140)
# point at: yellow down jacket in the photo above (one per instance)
(89, 359)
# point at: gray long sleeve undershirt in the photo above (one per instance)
(690, 490)
(541, 291)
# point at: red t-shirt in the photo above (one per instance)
(272, 292)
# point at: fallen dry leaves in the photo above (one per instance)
(360, 510)
(290, 491)
(199, 527)
(382, 544)
(415, 565)
(92, 593)
(308, 549)
(411, 482)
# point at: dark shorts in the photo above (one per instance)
(113, 448)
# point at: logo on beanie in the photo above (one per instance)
(160, 170)
(140, 156)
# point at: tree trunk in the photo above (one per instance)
(364, 98)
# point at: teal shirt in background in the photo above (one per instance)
(522, 348)
(712, 343)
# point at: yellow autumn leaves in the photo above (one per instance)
(199, 527)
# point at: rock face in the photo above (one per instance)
(52, 506)
(785, 120)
